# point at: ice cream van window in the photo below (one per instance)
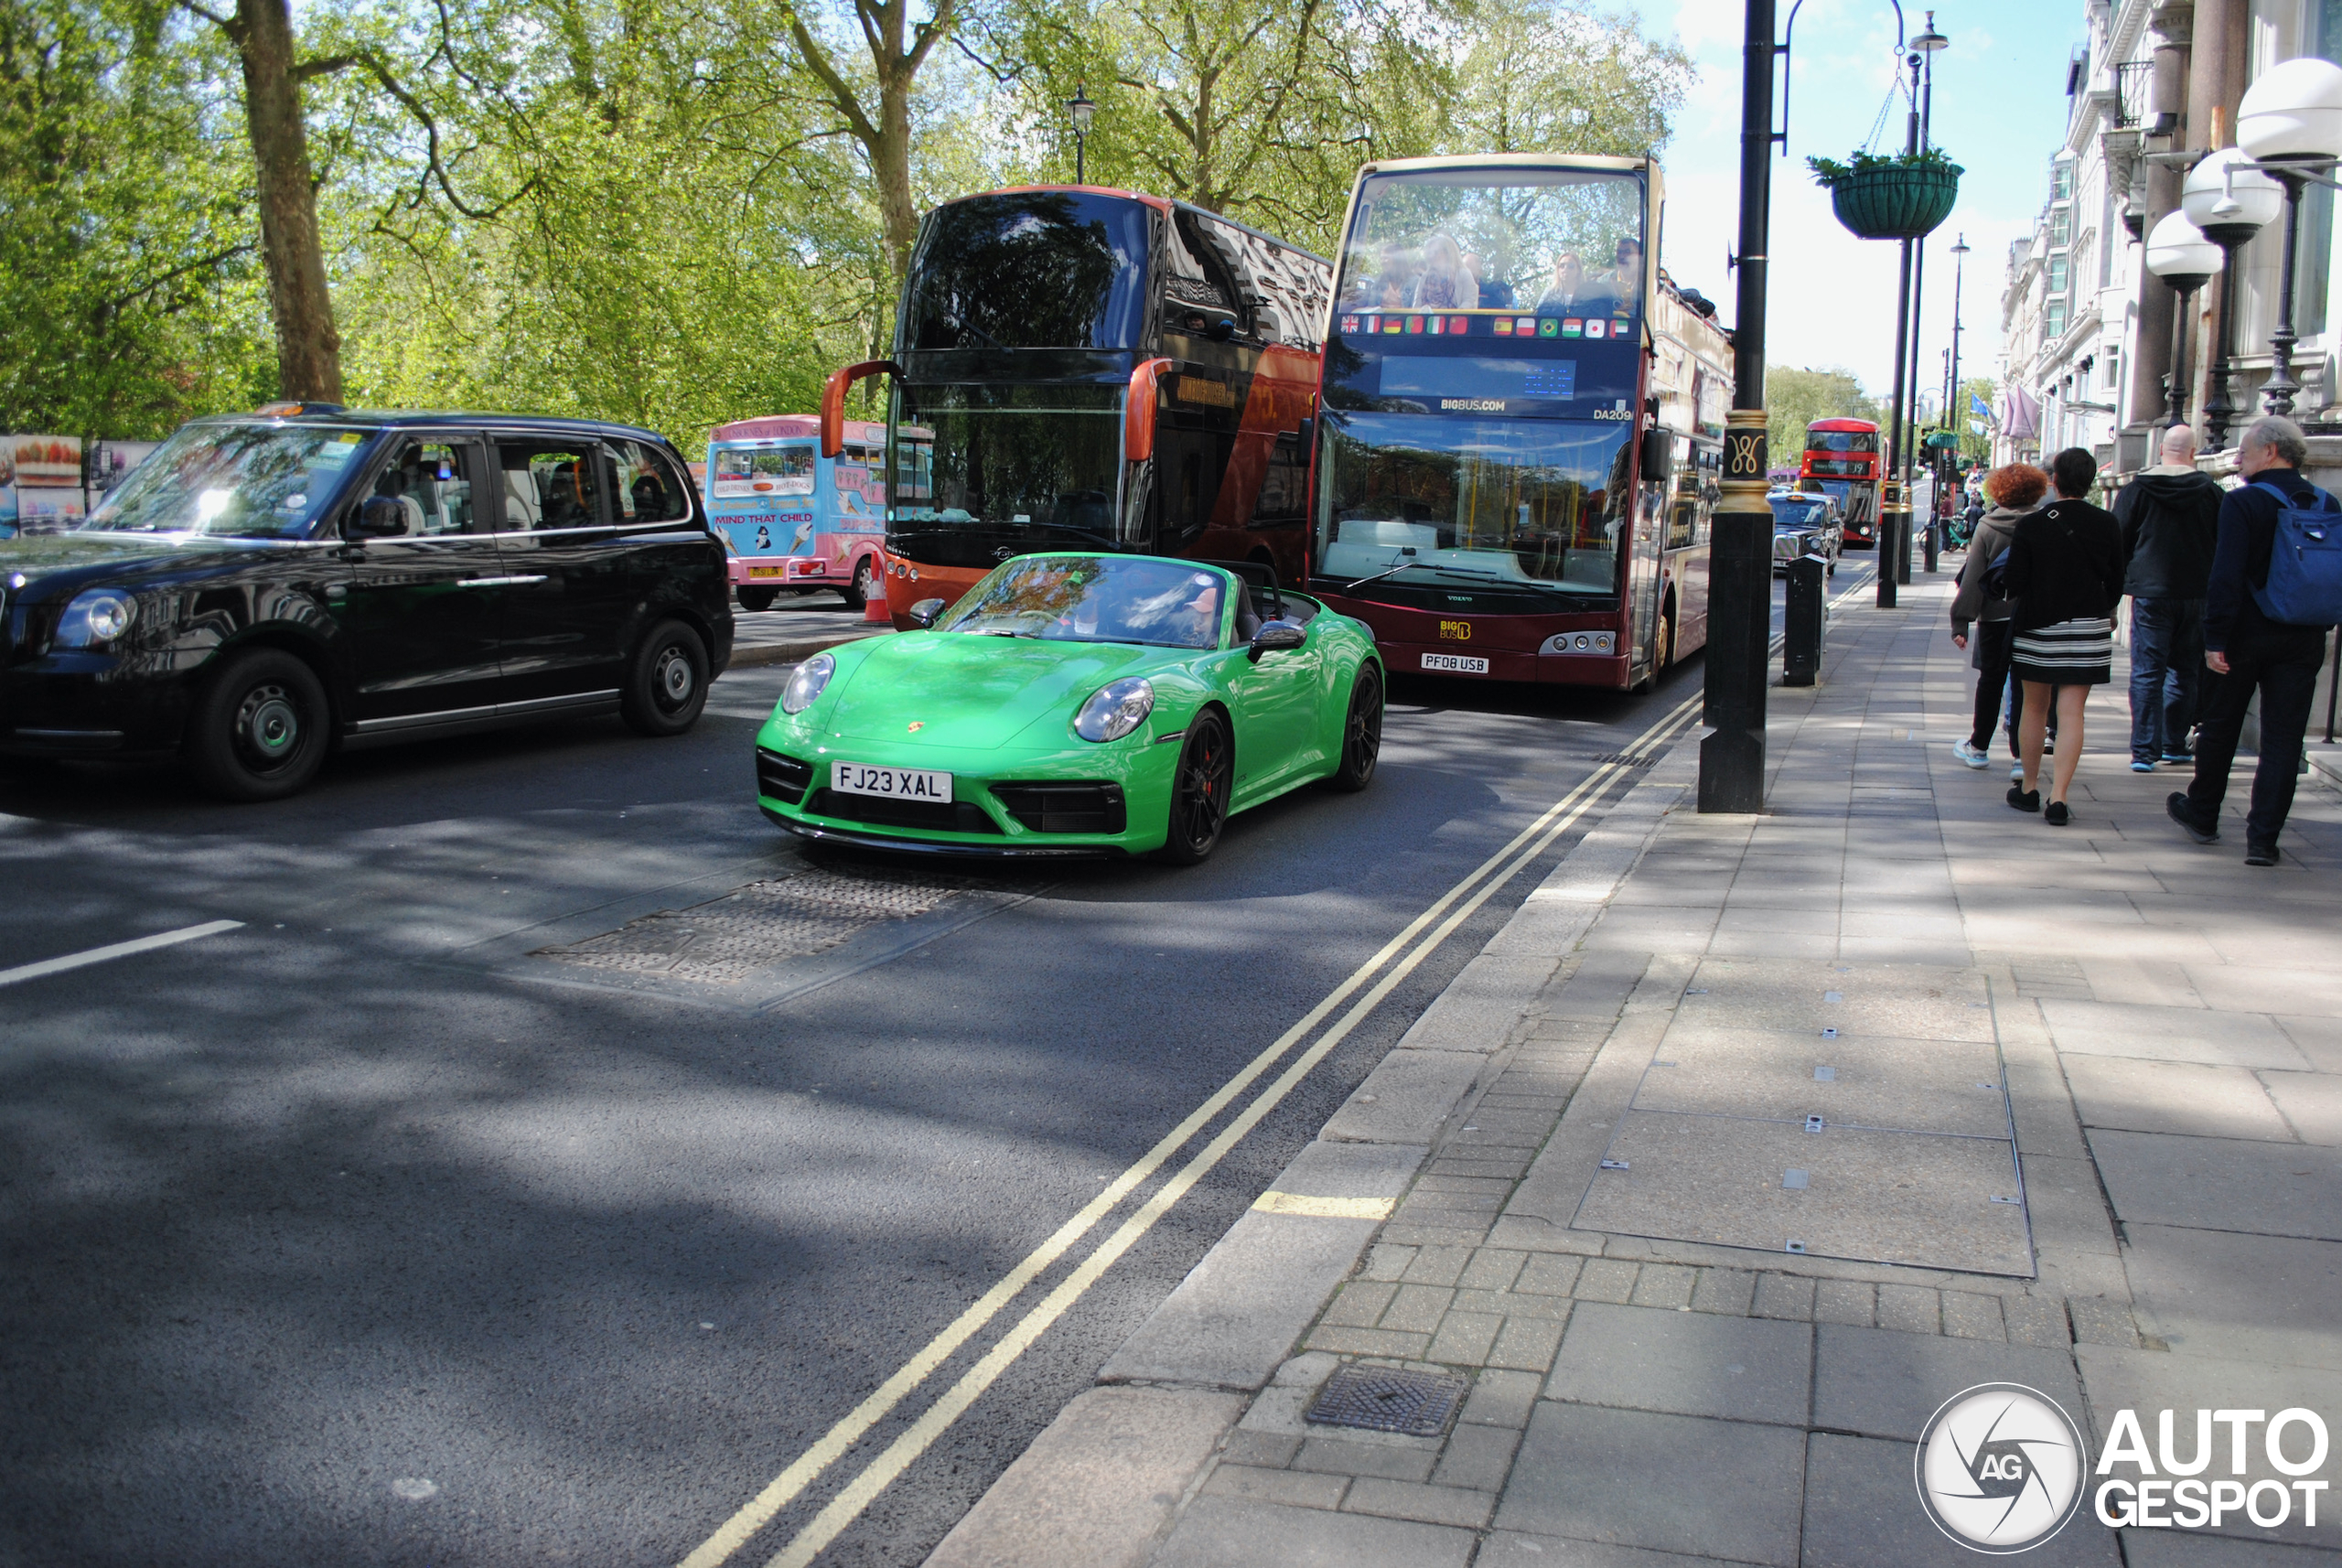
(763, 470)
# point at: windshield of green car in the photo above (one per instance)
(262, 480)
(1533, 506)
(1800, 512)
(1095, 599)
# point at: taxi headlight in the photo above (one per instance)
(1114, 710)
(807, 683)
(95, 619)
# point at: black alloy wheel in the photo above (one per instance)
(667, 686)
(756, 598)
(261, 729)
(864, 581)
(1361, 730)
(1199, 790)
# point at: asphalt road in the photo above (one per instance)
(358, 1235)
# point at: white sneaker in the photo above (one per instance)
(1970, 755)
(2017, 772)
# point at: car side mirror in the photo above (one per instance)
(927, 612)
(1276, 637)
(379, 518)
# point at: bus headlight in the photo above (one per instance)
(807, 683)
(96, 618)
(1114, 710)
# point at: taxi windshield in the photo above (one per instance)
(1798, 511)
(1095, 599)
(262, 480)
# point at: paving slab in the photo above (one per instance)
(2311, 1103)
(1901, 1197)
(2169, 1034)
(2143, 1096)
(1241, 1533)
(2256, 1297)
(1406, 1098)
(1862, 1511)
(1687, 1363)
(1097, 1487)
(1875, 1383)
(2222, 1184)
(1616, 1478)
(1933, 1086)
(1511, 1549)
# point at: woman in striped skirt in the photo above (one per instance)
(2065, 572)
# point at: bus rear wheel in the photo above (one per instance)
(756, 598)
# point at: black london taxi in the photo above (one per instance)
(267, 588)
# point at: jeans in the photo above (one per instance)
(2282, 666)
(2166, 664)
(1996, 643)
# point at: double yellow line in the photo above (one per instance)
(1450, 910)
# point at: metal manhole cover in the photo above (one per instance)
(727, 939)
(1387, 1398)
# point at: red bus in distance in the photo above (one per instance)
(1842, 462)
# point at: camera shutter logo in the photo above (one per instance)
(2000, 1468)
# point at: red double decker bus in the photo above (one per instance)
(1521, 428)
(1842, 462)
(1081, 368)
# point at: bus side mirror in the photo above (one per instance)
(1658, 455)
(834, 393)
(926, 613)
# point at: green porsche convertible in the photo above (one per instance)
(1074, 704)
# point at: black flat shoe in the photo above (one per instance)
(2055, 814)
(2261, 854)
(2025, 799)
(2175, 805)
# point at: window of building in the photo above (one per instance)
(2062, 182)
(2053, 320)
(2061, 228)
(2057, 276)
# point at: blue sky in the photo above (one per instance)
(2000, 111)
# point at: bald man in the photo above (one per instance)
(2170, 516)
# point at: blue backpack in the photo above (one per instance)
(2304, 587)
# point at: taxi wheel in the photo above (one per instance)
(261, 729)
(1199, 790)
(667, 686)
(756, 598)
(859, 596)
(1362, 732)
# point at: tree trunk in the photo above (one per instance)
(308, 349)
(891, 154)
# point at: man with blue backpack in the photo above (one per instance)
(2275, 592)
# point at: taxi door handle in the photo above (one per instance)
(497, 582)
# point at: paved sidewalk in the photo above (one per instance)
(1704, 1178)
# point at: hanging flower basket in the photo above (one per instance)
(1903, 197)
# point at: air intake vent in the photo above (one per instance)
(931, 816)
(1065, 807)
(782, 777)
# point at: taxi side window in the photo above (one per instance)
(646, 488)
(430, 483)
(549, 485)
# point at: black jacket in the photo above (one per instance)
(2065, 564)
(2169, 522)
(2240, 564)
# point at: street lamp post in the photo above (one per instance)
(1925, 46)
(2230, 201)
(2178, 253)
(1083, 109)
(1895, 522)
(1955, 417)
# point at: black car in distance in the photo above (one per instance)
(1805, 524)
(267, 588)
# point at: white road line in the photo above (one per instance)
(760, 1510)
(119, 950)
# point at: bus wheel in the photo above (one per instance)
(1362, 732)
(1199, 790)
(859, 594)
(756, 598)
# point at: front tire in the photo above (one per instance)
(754, 599)
(1362, 732)
(1199, 790)
(857, 595)
(261, 729)
(667, 685)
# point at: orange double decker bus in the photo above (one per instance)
(1842, 462)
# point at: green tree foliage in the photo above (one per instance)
(1795, 398)
(127, 251)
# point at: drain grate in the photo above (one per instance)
(728, 940)
(1387, 1398)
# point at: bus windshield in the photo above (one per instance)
(1429, 505)
(1029, 270)
(1027, 464)
(1841, 441)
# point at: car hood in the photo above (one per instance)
(964, 691)
(123, 558)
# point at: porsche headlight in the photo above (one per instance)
(96, 618)
(1115, 710)
(807, 683)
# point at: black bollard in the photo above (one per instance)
(1806, 617)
